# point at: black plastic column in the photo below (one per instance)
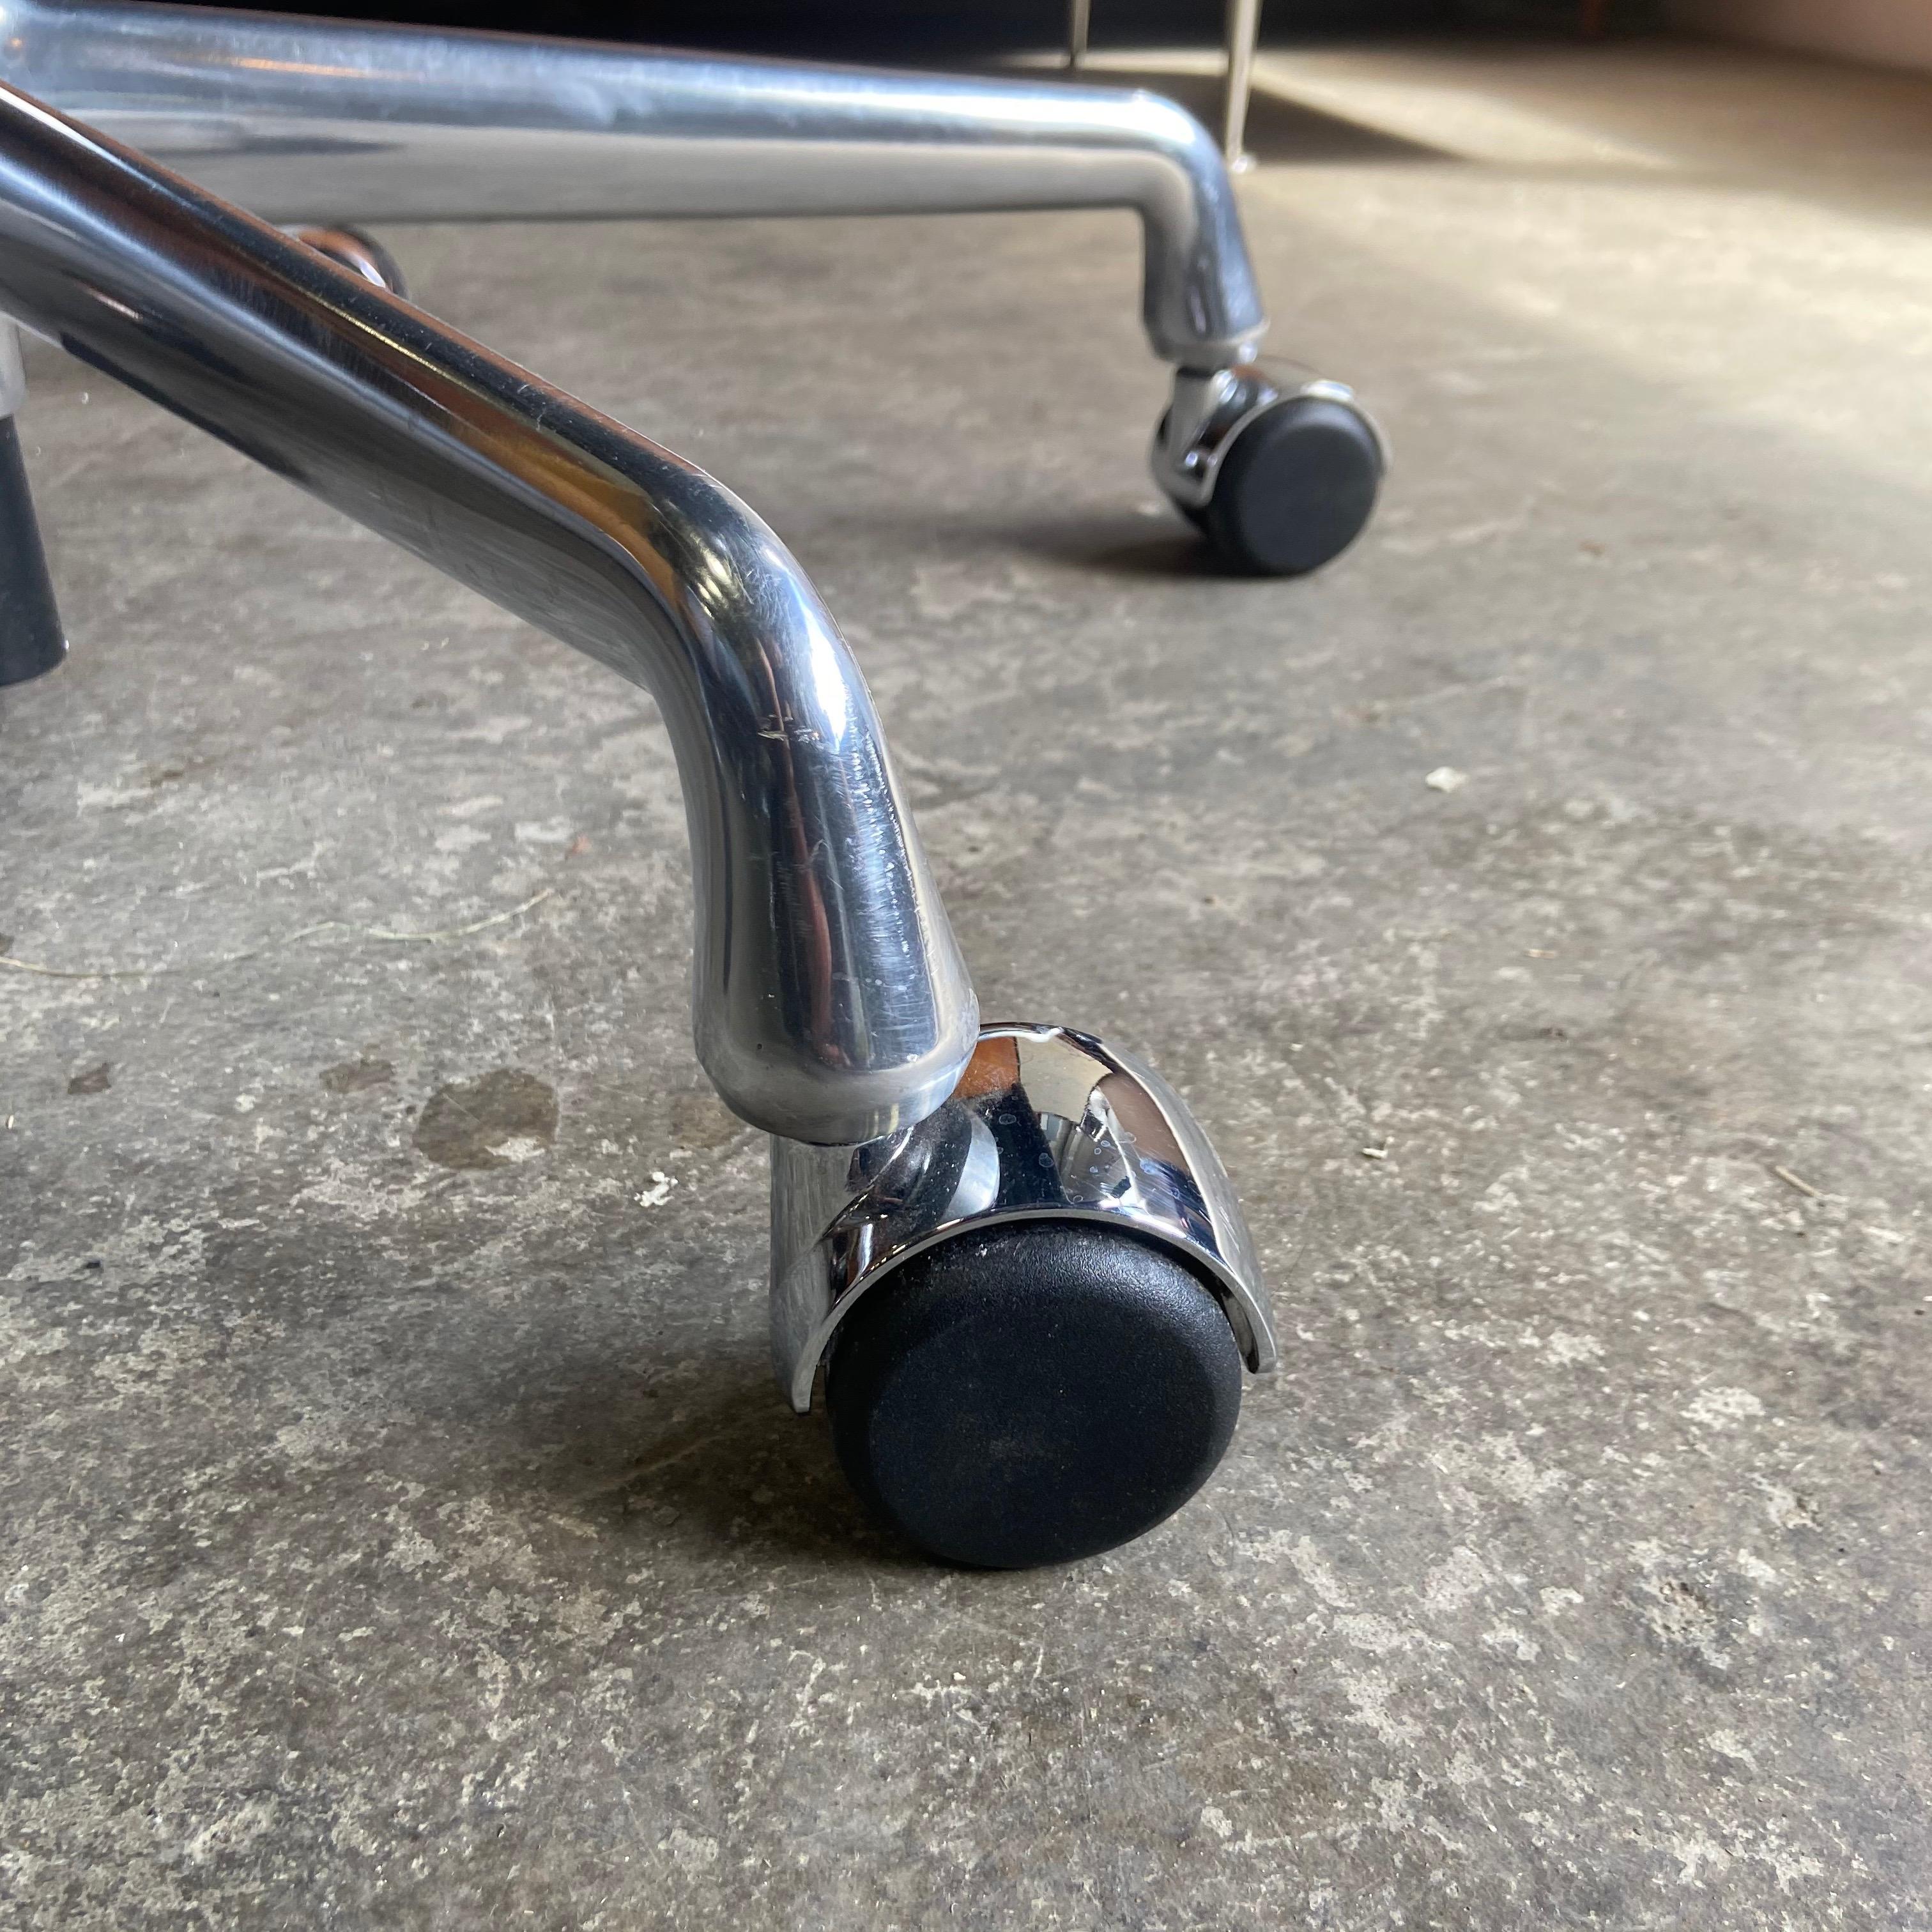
(32, 641)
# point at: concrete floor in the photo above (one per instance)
(403, 1533)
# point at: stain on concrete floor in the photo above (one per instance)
(504, 1117)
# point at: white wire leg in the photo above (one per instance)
(1244, 21)
(1078, 13)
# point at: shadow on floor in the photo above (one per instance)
(715, 1458)
(1122, 543)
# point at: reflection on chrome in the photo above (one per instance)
(1045, 1123)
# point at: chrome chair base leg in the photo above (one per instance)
(302, 122)
(829, 1001)
(1010, 1251)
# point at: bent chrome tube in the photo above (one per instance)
(830, 1002)
(306, 121)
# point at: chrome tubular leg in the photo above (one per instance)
(317, 123)
(1078, 18)
(830, 1002)
(314, 124)
(304, 121)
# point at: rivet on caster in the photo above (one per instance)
(1280, 473)
(1032, 1309)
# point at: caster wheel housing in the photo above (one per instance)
(1280, 477)
(1032, 1309)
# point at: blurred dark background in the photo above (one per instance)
(911, 27)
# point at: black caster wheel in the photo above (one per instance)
(1295, 488)
(1032, 1393)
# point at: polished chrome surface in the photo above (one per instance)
(303, 120)
(1045, 1123)
(830, 1002)
(1211, 407)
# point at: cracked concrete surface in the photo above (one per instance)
(402, 1528)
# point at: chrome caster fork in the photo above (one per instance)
(1279, 470)
(1032, 1309)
